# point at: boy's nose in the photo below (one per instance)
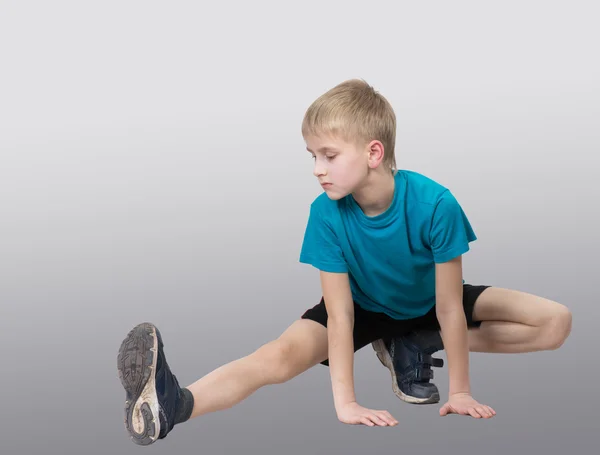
(318, 170)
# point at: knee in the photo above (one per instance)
(276, 361)
(558, 327)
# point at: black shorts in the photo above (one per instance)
(370, 326)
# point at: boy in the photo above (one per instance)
(389, 245)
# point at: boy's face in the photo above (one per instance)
(341, 167)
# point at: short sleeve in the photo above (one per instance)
(320, 247)
(451, 231)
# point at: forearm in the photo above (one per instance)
(454, 333)
(341, 358)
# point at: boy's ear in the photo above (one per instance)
(376, 152)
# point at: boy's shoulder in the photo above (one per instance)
(420, 188)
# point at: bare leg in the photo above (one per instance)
(301, 346)
(512, 322)
(518, 322)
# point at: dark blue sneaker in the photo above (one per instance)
(409, 360)
(154, 401)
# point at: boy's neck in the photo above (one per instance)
(377, 194)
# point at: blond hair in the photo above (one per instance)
(354, 111)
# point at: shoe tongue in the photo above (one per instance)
(426, 341)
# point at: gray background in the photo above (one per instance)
(152, 169)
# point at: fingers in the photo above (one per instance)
(386, 417)
(448, 409)
(392, 419)
(473, 413)
(378, 418)
(355, 415)
(381, 418)
(477, 412)
(486, 412)
(482, 412)
(366, 421)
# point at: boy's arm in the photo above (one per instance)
(340, 325)
(451, 316)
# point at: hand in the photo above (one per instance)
(464, 404)
(354, 414)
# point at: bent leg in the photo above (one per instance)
(301, 346)
(511, 322)
(518, 322)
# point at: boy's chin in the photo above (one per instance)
(335, 195)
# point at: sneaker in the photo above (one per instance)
(409, 360)
(154, 401)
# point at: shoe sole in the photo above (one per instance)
(384, 357)
(136, 364)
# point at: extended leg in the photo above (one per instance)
(301, 346)
(155, 402)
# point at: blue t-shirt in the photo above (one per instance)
(390, 258)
